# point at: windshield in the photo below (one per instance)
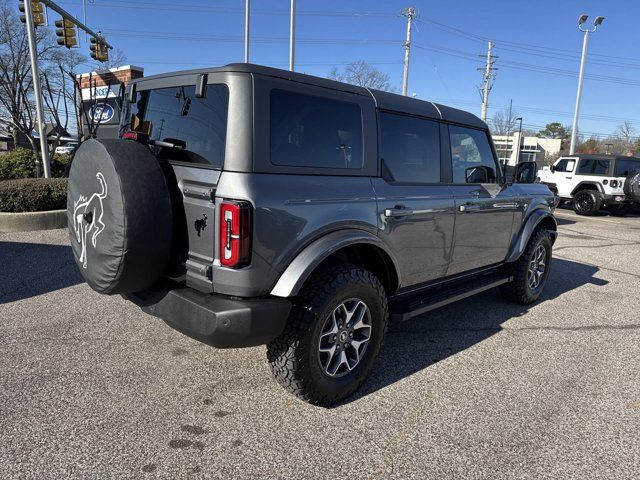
(624, 167)
(181, 127)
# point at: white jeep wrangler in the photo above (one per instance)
(592, 182)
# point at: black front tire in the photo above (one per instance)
(586, 202)
(520, 290)
(293, 356)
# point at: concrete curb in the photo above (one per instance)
(29, 221)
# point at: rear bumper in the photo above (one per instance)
(616, 199)
(216, 320)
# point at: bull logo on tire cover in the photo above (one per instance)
(87, 215)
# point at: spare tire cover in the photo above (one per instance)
(119, 215)
(632, 186)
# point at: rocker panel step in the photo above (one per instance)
(436, 297)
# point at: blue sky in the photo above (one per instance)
(538, 45)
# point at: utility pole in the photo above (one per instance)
(247, 8)
(488, 76)
(585, 43)
(37, 90)
(409, 13)
(292, 36)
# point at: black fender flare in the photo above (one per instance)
(299, 270)
(537, 217)
(577, 188)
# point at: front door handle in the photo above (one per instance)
(469, 207)
(398, 211)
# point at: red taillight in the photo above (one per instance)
(130, 136)
(235, 238)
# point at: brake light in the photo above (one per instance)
(130, 136)
(235, 238)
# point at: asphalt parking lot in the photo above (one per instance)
(90, 387)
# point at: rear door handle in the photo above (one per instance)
(398, 211)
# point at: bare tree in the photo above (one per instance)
(16, 83)
(364, 75)
(626, 131)
(503, 122)
(117, 58)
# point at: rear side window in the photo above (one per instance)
(193, 129)
(592, 166)
(470, 148)
(625, 167)
(409, 149)
(317, 132)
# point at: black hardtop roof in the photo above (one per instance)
(603, 156)
(384, 100)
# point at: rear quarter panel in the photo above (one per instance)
(290, 212)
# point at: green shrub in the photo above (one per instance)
(33, 194)
(59, 165)
(19, 163)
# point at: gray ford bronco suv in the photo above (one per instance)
(246, 205)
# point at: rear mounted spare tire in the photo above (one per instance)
(119, 215)
(632, 186)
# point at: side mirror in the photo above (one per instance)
(479, 174)
(552, 168)
(526, 172)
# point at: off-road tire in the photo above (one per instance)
(518, 290)
(293, 356)
(587, 202)
(619, 210)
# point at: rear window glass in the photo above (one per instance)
(625, 167)
(409, 149)
(593, 166)
(193, 130)
(316, 132)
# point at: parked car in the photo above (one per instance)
(66, 149)
(594, 182)
(246, 205)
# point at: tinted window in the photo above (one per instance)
(310, 131)
(625, 167)
(195, 128)
(592, 166)
(470, 148)
(409, 149)
(565, 165)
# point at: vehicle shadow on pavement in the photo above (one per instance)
(565, 221)
(418, 343)
(31, 269)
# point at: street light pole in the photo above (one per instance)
(247, 8)
(585, 44)
(37, 89)
(292, 36)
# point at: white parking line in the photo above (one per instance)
(573, 216)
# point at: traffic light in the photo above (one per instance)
(99, 51)
(37, 12)
(66, 33)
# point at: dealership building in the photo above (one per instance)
(530, 148)
(101, 95)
